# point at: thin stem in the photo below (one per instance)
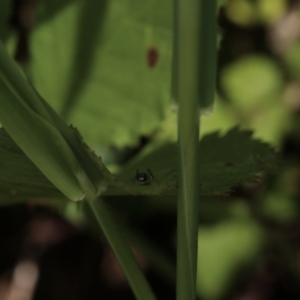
(187, 211)
(113, 233)
(193, 89)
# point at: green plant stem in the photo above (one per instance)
(159, 261)
(119, 245)
(187, 95)
(187, 209)
(193, 89)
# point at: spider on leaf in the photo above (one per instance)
(142, 177)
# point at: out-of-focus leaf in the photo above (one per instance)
(224, 249)
(222, 119)
(292, 58)
(8, 34)
(241, 12)
(280, 203)
(105, 66)
(221, 2)
(255, 86)
(55, 149)
(252, 82)
(248, 13)
(5, 15)
(271, 11)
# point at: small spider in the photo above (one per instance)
(144, 178)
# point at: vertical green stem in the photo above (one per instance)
(193, 89)
(187, 218)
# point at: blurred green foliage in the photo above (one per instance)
(91, 62)
(223, 249)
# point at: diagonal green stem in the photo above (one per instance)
(125, 257)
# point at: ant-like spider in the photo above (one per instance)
(143, 178)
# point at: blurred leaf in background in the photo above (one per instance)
(254, 85)
(247, 13)
(225, 249)
(105, 67)
(5, 14)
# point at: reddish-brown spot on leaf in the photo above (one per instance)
(152, 57)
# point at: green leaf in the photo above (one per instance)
(225, 162)
(233, 159)
(26, 117)
(56, 149)
(20, 179)
(90, 61)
